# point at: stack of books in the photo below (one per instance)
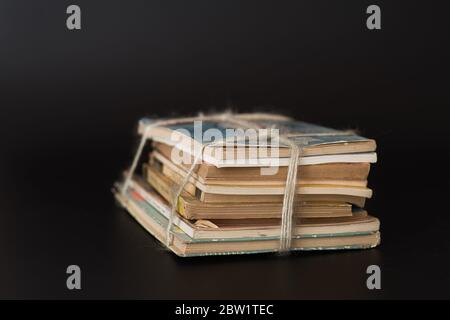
(231, 202)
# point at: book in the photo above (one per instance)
(334, 238)
(202, 191)
(323, 145)
(210, 174)
(228, 194)
(191, 208)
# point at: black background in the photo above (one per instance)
(70, 101)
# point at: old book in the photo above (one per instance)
(191, 208)
(318, 144)
(231, 204)
(161, 183)
(175, 173)
(360, 233)
(210, 174)
(202, 191)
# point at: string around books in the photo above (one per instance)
(240, 120)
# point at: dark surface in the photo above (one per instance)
(69, 103)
